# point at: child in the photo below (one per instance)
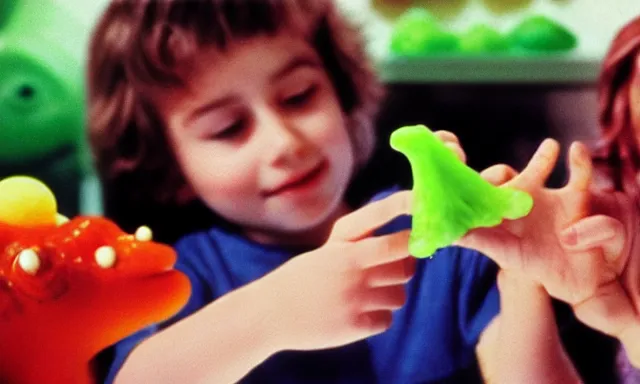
(617, 161)
(262, 110)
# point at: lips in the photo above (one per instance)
(298, 180)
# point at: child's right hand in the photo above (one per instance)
(347, 289)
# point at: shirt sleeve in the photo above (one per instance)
(478, 296)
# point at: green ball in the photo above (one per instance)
(418, 33)
(541, 34)
(483, 39)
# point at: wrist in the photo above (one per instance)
(509, 281)
(267, 308)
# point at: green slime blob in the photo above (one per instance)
(482, 38)
(541, 34)
(449, 197)
(418, 33)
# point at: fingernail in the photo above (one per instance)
(569, 236)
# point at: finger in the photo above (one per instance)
(395, 273)
(580, 168)
(495, 243)
(374, 322)
(598, 231)
(447, 137)
(366, 220)
(498, 174)
(392, 297)
(459, 152)
(540, 166)
(609, 310)
(382, 250)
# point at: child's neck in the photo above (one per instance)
(313, 237)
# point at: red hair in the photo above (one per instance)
(617, 155)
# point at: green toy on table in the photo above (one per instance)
(417, 32)
(450, 198)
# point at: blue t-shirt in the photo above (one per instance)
(450, 301)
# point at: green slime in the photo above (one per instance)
(418, 33)
(539, 33)
(449, 197)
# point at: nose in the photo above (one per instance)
(285, 138)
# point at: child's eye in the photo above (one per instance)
(230, 131)
(301, 98)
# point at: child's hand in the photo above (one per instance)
(345, 290)
(614, 309)
(532, 246)
(451, 141)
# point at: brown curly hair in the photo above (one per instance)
(139, 46)
(617, 155)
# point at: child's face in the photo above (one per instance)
(261, 136)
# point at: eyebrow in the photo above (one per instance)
(300, 61)
(210, 106)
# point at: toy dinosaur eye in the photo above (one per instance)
(38, 274)
(29, 261)
(105, 256)
(143, 233)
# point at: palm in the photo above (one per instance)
(531, 246)
(538, 252)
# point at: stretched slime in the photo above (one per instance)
(449, 197)
(70, 288)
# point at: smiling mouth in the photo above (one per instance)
(299, 181)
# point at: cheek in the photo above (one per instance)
(329, 133)
(219, 177)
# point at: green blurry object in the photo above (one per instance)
(449, 197)
(42, 65)
(418, 33)
(539, 33)
(483, 39)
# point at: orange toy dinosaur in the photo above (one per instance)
(72, 288)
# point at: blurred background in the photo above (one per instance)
(522, 70)
(502, 74)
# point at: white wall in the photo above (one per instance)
(595, 22)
